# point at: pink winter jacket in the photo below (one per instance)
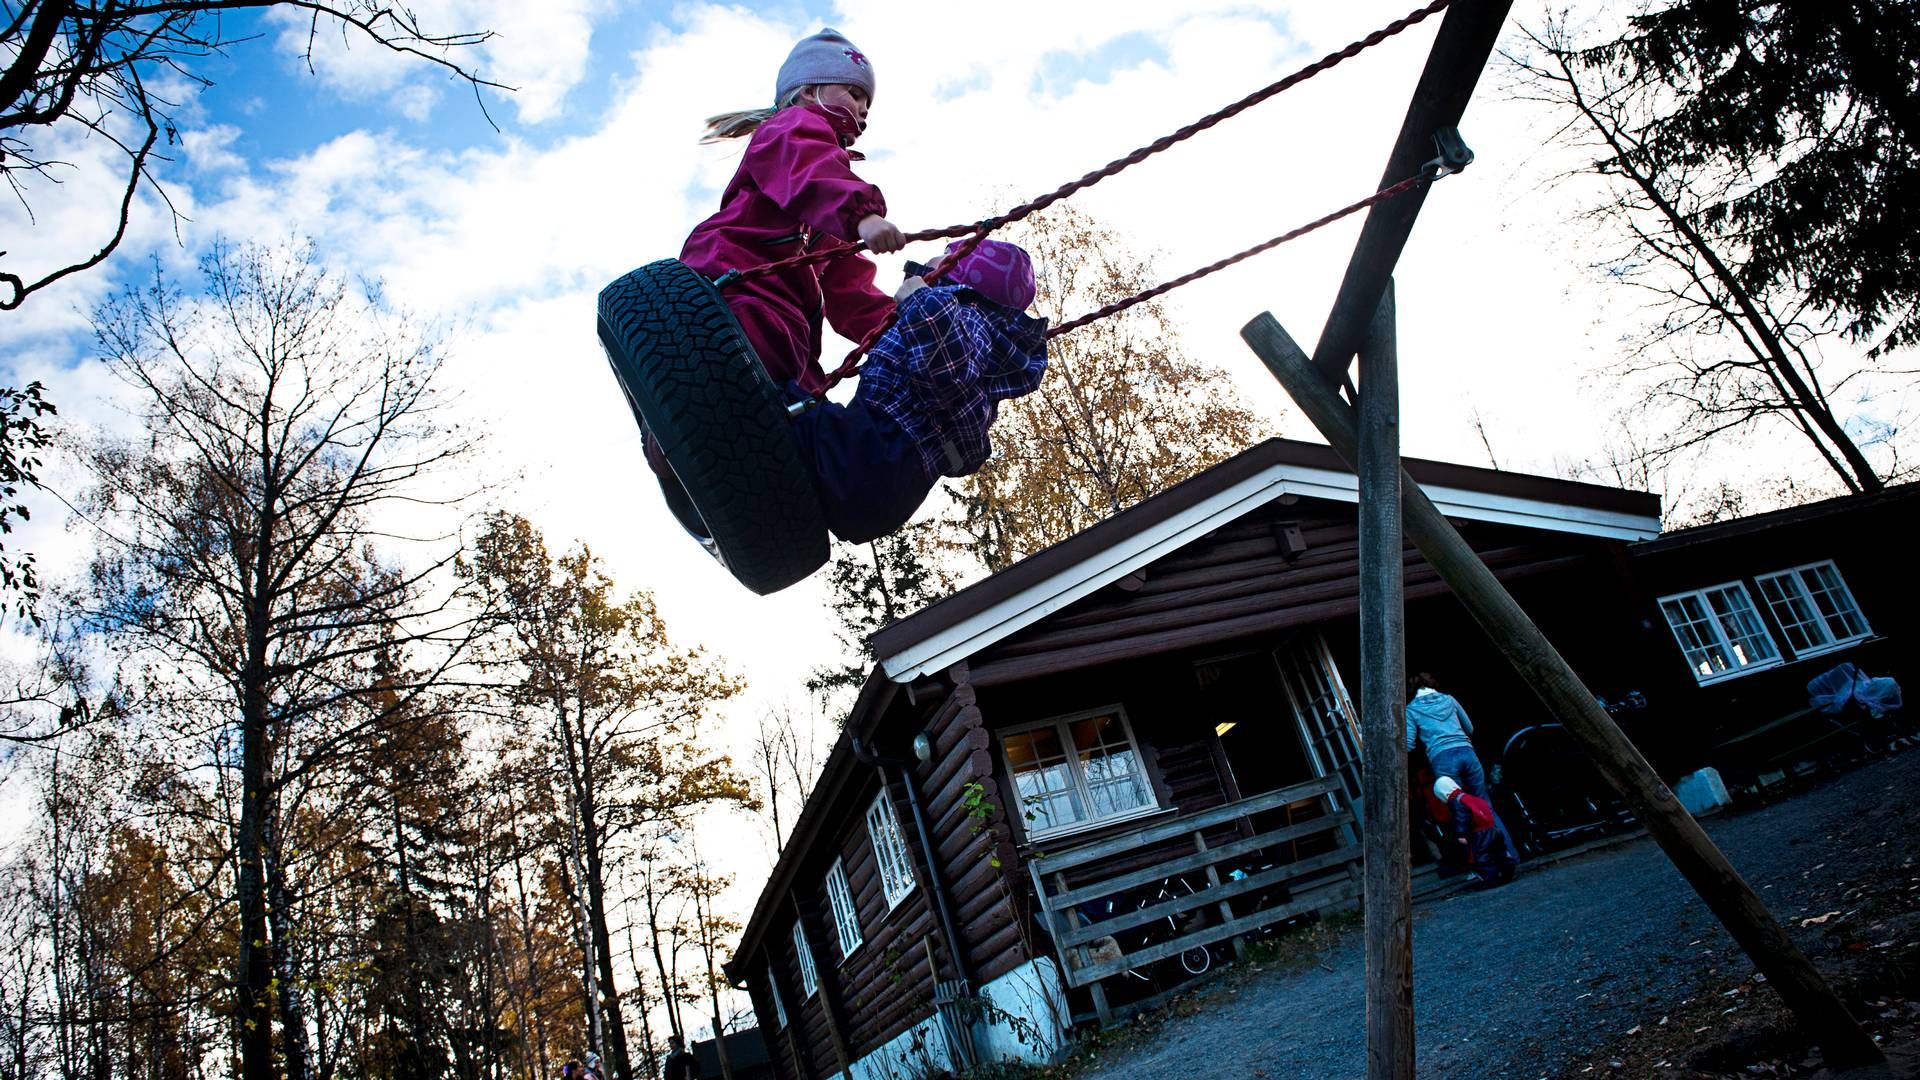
(795, 191)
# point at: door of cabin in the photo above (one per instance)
(1323, 711)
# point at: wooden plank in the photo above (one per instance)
(1169, 830)
(1206, 936)
(1019, 669)
(1265, 879)
(1190, 862)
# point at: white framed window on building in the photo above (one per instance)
(1814, 608)
(1075, 769)
(846, 917)
(889, 851)
(1719, 631)
(809, 978)
(779, 1006)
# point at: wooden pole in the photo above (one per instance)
(1820, 1011)
(1460, 50)
(1389, 897)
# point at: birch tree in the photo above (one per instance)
(242, 547)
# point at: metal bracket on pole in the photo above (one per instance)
(1454, 153)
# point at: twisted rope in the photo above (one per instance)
(1118, 306)
(1119, 164)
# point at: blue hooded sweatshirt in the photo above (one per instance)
(1438, 723)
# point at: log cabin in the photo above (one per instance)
(1129, 753)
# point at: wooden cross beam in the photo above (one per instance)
(1365, 435)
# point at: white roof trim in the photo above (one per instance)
(1009, 616)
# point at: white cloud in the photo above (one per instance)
(210, 149)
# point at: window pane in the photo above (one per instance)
(1836, 605)
(1698, 639)
(779, 1006)
(809, 978)
(1042, 778)
(1790, 606)
(889, 850)
(1114, 783)
(1746, 637)
(846, 918)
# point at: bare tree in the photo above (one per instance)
(1728, 352)
(784, 757)
(710, 932)
(92, 67)
(238, 541)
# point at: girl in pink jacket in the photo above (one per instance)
(795, 191)
(930, 389)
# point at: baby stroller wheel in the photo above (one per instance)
(692, 380)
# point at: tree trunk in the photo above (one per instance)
(660, 961)
(613, 1027)
(253, 976)
(528, 1014)
(649, 1058)
(293, 1020)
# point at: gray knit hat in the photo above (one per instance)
(825, 58)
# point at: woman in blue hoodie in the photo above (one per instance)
(1437, 723)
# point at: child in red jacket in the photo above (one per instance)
(795, 191)
(930, 387)
(1475, 825)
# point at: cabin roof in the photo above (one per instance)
(1005, 603)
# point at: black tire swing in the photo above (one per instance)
(739, 484)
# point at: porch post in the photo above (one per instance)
(1389, 900)
(1819, 1009)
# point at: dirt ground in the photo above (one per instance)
(1866, 942)
(1603, 965)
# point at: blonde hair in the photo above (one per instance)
(738, 125)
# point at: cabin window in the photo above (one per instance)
(779, 1007)
(1719, 631)
(809, 978)
(846, 918)
(890, 851)
(1813, 607)
(1074, 769)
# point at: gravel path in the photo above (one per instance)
(1519, 981)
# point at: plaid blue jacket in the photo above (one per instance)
(941, 370)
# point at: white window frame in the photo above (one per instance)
(1789, 619)
(1712, 623)
(779, 1006)
(846, 914)
(809, 976)
(1063, 729)
(890, 850)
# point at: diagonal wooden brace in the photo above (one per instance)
(1820, 1011)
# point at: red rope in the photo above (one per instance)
(1118, 306)
(1029, 208)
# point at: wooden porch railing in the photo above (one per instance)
(1073, 934)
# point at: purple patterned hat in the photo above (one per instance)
(997, 270)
